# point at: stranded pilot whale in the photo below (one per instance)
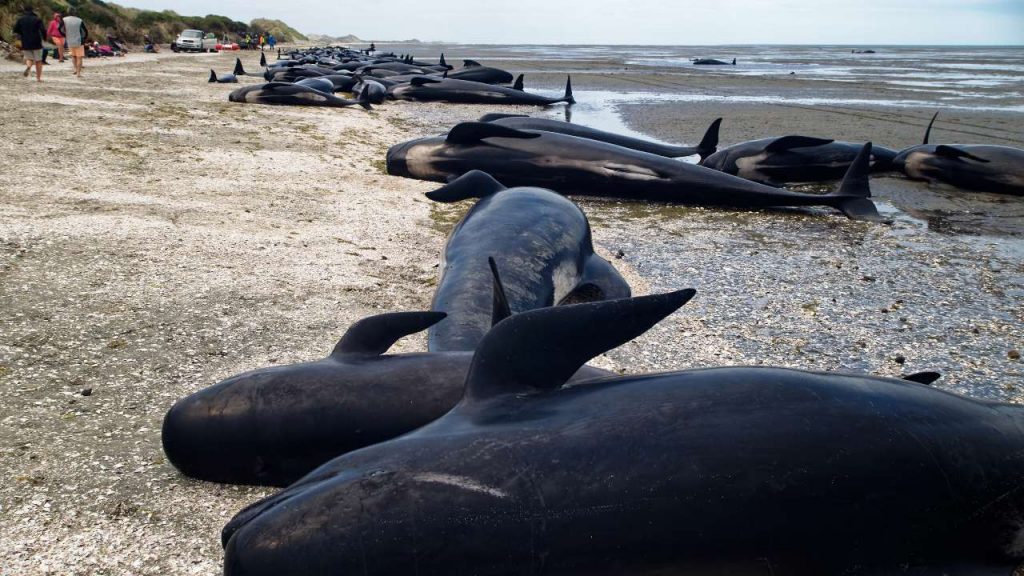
(545, 246)
(981, 167)
(712, 62)
(743, 470)
(707, 146)
(433, 89)
(223, 78)
(572, 165)
(273, 425)
(291, 94)
(472, 70)
(777, 161)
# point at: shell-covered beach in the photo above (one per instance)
(156, 238)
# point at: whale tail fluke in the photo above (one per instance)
(541, 349)
(709, 144)
(853, 198)
(568, 99)
(472, 184)
(239, 70)
(213, 75)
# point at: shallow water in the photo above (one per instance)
(958, 74)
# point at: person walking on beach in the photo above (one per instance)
(271, 41)
(76, 34)
(263, 42)
(56, 36)
(29, 29)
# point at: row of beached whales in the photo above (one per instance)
(312, 77)
(500, 451)
(619, 166)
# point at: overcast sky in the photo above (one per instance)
(638, 21)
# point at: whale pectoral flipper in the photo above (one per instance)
(500, 308)
(541, 349)
(473, 132)
(472, 184)
(789, 142)
(925, 378)
(374, 335)
(954, 152)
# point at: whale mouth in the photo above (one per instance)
(253, 511)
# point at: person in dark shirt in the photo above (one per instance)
(30, 29)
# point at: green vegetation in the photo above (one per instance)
(278, 29)
(130, 24)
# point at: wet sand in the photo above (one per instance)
(168, 239)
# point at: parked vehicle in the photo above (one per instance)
(195, 41)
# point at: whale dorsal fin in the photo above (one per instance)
(928, 130)
(709, 143)
(472, 132)
(472, 184)
(954, 152)
(789, 142)
(263, 60)
(499, 307)
(239, 70)
(443, 63)
(470, 63)
(518, 83)
(213, 75)
(541, 349)
(422, 80)
(492, 116)
(925, 378)
(372, 336)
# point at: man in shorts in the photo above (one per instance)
(29, 29)
(75, 34)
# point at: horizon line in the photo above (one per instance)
(414, 41)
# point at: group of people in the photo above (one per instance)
(68, 31)
(262, 40)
